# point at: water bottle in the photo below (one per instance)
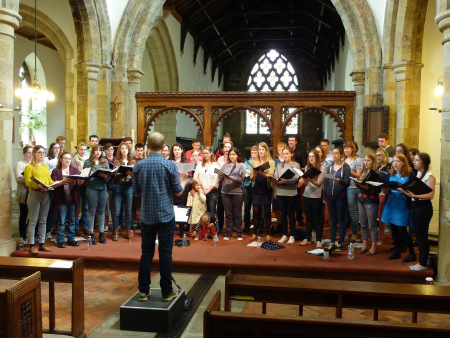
(184, 242)
(258, 243)
(131, 240)
(89, 243)
(216, 240)
(350, 251)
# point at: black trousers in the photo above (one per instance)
(401, 236)
(422, 211)
(314, 218)
(23, 224)
(298, 208)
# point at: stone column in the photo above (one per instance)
(443, 21)
(134, 83)
(104, 101)
(118, 87)
(358, 78)
(9, 21)
(390, 94)
(407, 103)
(87, 100)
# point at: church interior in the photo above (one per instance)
(259, 70)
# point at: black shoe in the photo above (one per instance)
(339, 247)
(409, 258)
(61, 245)
(94, 242)
(73, 243)
(101, 238)
(394, 256)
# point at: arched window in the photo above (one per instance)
(271, 73)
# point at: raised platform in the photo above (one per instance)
(203, 257)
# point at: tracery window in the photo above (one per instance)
(271, 73)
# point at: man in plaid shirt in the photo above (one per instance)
(156, 180)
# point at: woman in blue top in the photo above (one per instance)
(96, 193)
(396, 210)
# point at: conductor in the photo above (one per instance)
(156, 180)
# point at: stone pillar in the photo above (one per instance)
(104, 101)
(358, 78)
(118, 87)
(390, 94)
(407, 103)
(134, 83)
(87, 100)
(9, 21)
(443, 21)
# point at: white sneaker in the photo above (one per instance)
(283, 239)
(305, 242)
(48, 235)
(240, 239)
(144, 296)
(318, 245)
(226, 238)
(24, 241)
(291, 240)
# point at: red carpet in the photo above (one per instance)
(203, 257)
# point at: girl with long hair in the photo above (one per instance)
(38, 198)
(312, 199)
(396, 210)
(336, 194)
(383, 169)
(356, 167)
(262, 189)
(96, 192)
(196, 200)
(65, 202)
(122, 192)
(422, 209)
(208, 178)
(286, 192)
(368, 205)
(232, 194)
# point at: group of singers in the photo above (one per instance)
(327, 185)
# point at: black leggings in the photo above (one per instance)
(401, 236)
(287, 208)
(314, 218)
(23, 224)
(257, 215)
(422, 211)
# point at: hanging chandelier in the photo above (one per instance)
(35, 91)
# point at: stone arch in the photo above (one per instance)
(158, 113)
(303, 110)
(231, 110)
(129, 46)
(162, 56)
(52, 31)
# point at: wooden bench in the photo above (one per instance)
(337, 293)
(72, 272)
(20, 309)
(218, 324)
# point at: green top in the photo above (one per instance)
(98, 183)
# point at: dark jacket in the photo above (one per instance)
(59, 196)
(334, 188)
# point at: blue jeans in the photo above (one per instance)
(65, 211)
(122, 195)
(84, 208)
(338, 210)
(165, 232)
(96, 199)
(352, 201)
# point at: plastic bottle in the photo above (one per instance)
(131, 240)
(216, 240)
(89, 243)
(184, 242)
(350, 251)
(258, 243)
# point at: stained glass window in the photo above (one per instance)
(271, 73)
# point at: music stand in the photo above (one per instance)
(182, 214)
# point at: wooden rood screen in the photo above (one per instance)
(208, 109)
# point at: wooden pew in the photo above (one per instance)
(218, 324)
(337, 293)
(73, 273)
(20, 309)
